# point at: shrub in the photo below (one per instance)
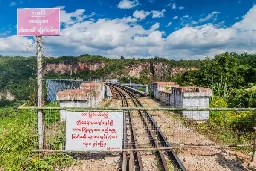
(18, 137)
(238, 121)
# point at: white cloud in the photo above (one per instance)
(200, 36)
(170, 23)
(169, 4)
(151, 40)
(220, 24)
(105, 36)
(6, 32)
(140, 14)
(13, 3)
(125, 36)
(15, 45)
(175, 17)
(155, 26)
(73, 17)
(173, 6)
(127, 4)
(194, 22)
(185, 20)
(211, 16)
(60, 7)
(210, 40)
(158, 14)
(248, 22)
(181, 8)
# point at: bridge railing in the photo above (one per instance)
(231, 128)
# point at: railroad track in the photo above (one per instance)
(135, 138)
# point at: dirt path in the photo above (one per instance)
(205, 158)
(103, 163)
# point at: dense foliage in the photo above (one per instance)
(18, 74)
(16, 144)
(230, 77)
(229, 127)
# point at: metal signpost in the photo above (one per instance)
(39, 22)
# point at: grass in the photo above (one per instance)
(107, 102)
(223, 134)
(18, 137)
(226, 136)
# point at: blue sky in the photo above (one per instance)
(174, 29)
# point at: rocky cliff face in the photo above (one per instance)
(136, 70)
(61, 68)
(157, 71)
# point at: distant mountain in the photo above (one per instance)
(86, 66)
(18, 74)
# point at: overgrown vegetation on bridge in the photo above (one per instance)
(232, 78)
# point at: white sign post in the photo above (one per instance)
(94, 131)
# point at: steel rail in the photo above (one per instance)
(144, 149)
(133, 137)
(162, 161)
(124, 153)
(23, 107)
(153, 141)
(171, 154)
